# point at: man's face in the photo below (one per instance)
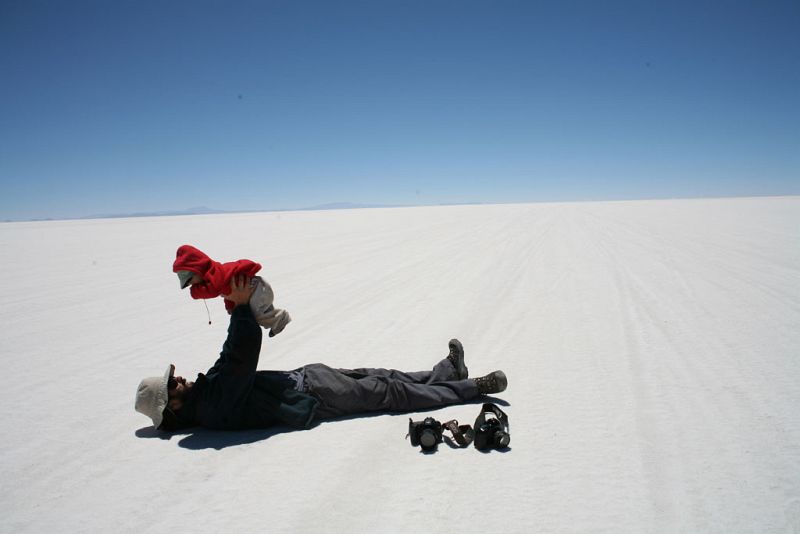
(177, 388)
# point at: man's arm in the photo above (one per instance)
(242, 347)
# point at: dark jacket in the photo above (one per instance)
(232, 395)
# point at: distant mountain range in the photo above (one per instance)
(205, 210)
(199, 210)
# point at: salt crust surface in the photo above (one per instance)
(652, 349)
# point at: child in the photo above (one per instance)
(209, 279)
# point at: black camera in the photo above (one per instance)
(491, 432)
(426, 434)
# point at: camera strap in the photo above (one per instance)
(462, 434)
(495, 409)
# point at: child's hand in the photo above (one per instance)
(241, 289)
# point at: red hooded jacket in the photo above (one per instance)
(216, 276)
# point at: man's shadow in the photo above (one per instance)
(198, 438)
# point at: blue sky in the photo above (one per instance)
(124, 106)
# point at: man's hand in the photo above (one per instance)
(241, 289)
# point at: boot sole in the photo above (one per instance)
(461, 368)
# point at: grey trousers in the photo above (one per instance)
(352, 391)
(266, 314)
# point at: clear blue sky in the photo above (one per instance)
(122, 106)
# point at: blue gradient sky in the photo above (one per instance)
(123, 106)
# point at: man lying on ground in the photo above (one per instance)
(233, 395)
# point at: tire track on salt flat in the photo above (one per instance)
(406, 270)
(693, 398)
(503, 273)
(648, 410)
(733, 366)
(708, 251)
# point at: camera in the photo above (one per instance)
(491, 432)
(426, 434)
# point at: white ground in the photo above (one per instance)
(652, 350)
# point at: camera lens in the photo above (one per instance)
(502, 439)
(427, 439)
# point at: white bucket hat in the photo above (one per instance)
(152, 396)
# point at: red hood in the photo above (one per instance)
(189, 258)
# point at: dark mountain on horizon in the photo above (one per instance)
(197, 210)
(345, 206)
(205, 210)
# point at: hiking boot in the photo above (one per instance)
(492, 383)
(456, 357)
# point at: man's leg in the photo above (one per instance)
(441, 372)
(346, 392)
(450, 368)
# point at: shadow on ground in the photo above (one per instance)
(202, 438)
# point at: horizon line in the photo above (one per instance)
(331, 206)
